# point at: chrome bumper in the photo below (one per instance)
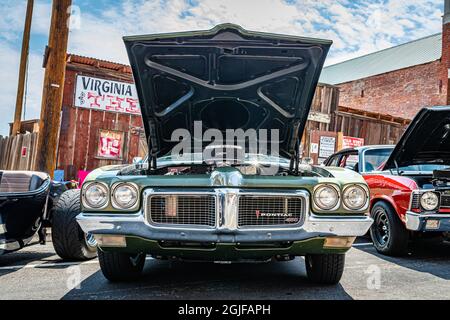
(418, 222)
(136, 225)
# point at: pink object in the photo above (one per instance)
(82, 174)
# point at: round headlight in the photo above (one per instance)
(355, 197)
(96, 195)
(125, 196)
(326, 197)
(429, 201)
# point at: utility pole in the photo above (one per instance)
(23, 67)
(55, 68)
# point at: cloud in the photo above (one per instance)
(11, 29)
(356, 27)
(8, 79)
(9, 64)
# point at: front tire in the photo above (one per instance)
(325, 268)
(69, 240)
(388, 233)
(118, 266)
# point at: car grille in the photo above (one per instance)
(257, 210)
(199, 210)
(445, 201)
(415, 201)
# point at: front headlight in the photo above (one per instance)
(355, 197)
(95, 195)
(429, 201)
(326, 197)
(124, 196)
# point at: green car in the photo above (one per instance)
(223, 199)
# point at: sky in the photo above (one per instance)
(97, 27)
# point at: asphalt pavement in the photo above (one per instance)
(37, 273)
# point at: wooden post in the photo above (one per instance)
(340, 141)
(23, 68)
(55, 67)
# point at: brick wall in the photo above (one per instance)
(400, 93)
(446, 57)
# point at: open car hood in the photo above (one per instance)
(425, 141)
(227, 78)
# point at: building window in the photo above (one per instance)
(362, 93)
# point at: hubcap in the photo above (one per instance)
(381, 227)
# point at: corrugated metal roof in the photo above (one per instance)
(74, 58)
(413, 53)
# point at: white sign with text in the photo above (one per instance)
(106, 95)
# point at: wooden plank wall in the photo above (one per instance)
(79, 134)
(325, 103)
(373, 131)
(11, 157)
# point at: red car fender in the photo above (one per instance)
(395, 190)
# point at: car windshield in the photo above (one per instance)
(374, 158)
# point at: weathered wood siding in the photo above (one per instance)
(372, 128)
(79, 134)
(11, 156)
(321, 116)
(324, 105)
(327, 116)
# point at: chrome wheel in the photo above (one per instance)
(90, 240)
(381, 227)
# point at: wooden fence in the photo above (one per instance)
(18, 152)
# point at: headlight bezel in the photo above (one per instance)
(364, 188)
(114, 203)
(84, 200)
(336, 188)
(423, 208)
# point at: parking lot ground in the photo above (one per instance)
(37, 273)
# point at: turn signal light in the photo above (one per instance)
(432, 224)
(111, 241)
(171, 206)
(338, 242)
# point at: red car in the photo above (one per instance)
(409, 183)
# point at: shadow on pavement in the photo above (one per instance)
(182, 280)
(14, 261)
(424, 256)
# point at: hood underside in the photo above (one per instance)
(227, 78)
(425, 141)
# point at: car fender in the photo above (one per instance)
(394, 190)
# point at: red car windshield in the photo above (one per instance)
(374, 159)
